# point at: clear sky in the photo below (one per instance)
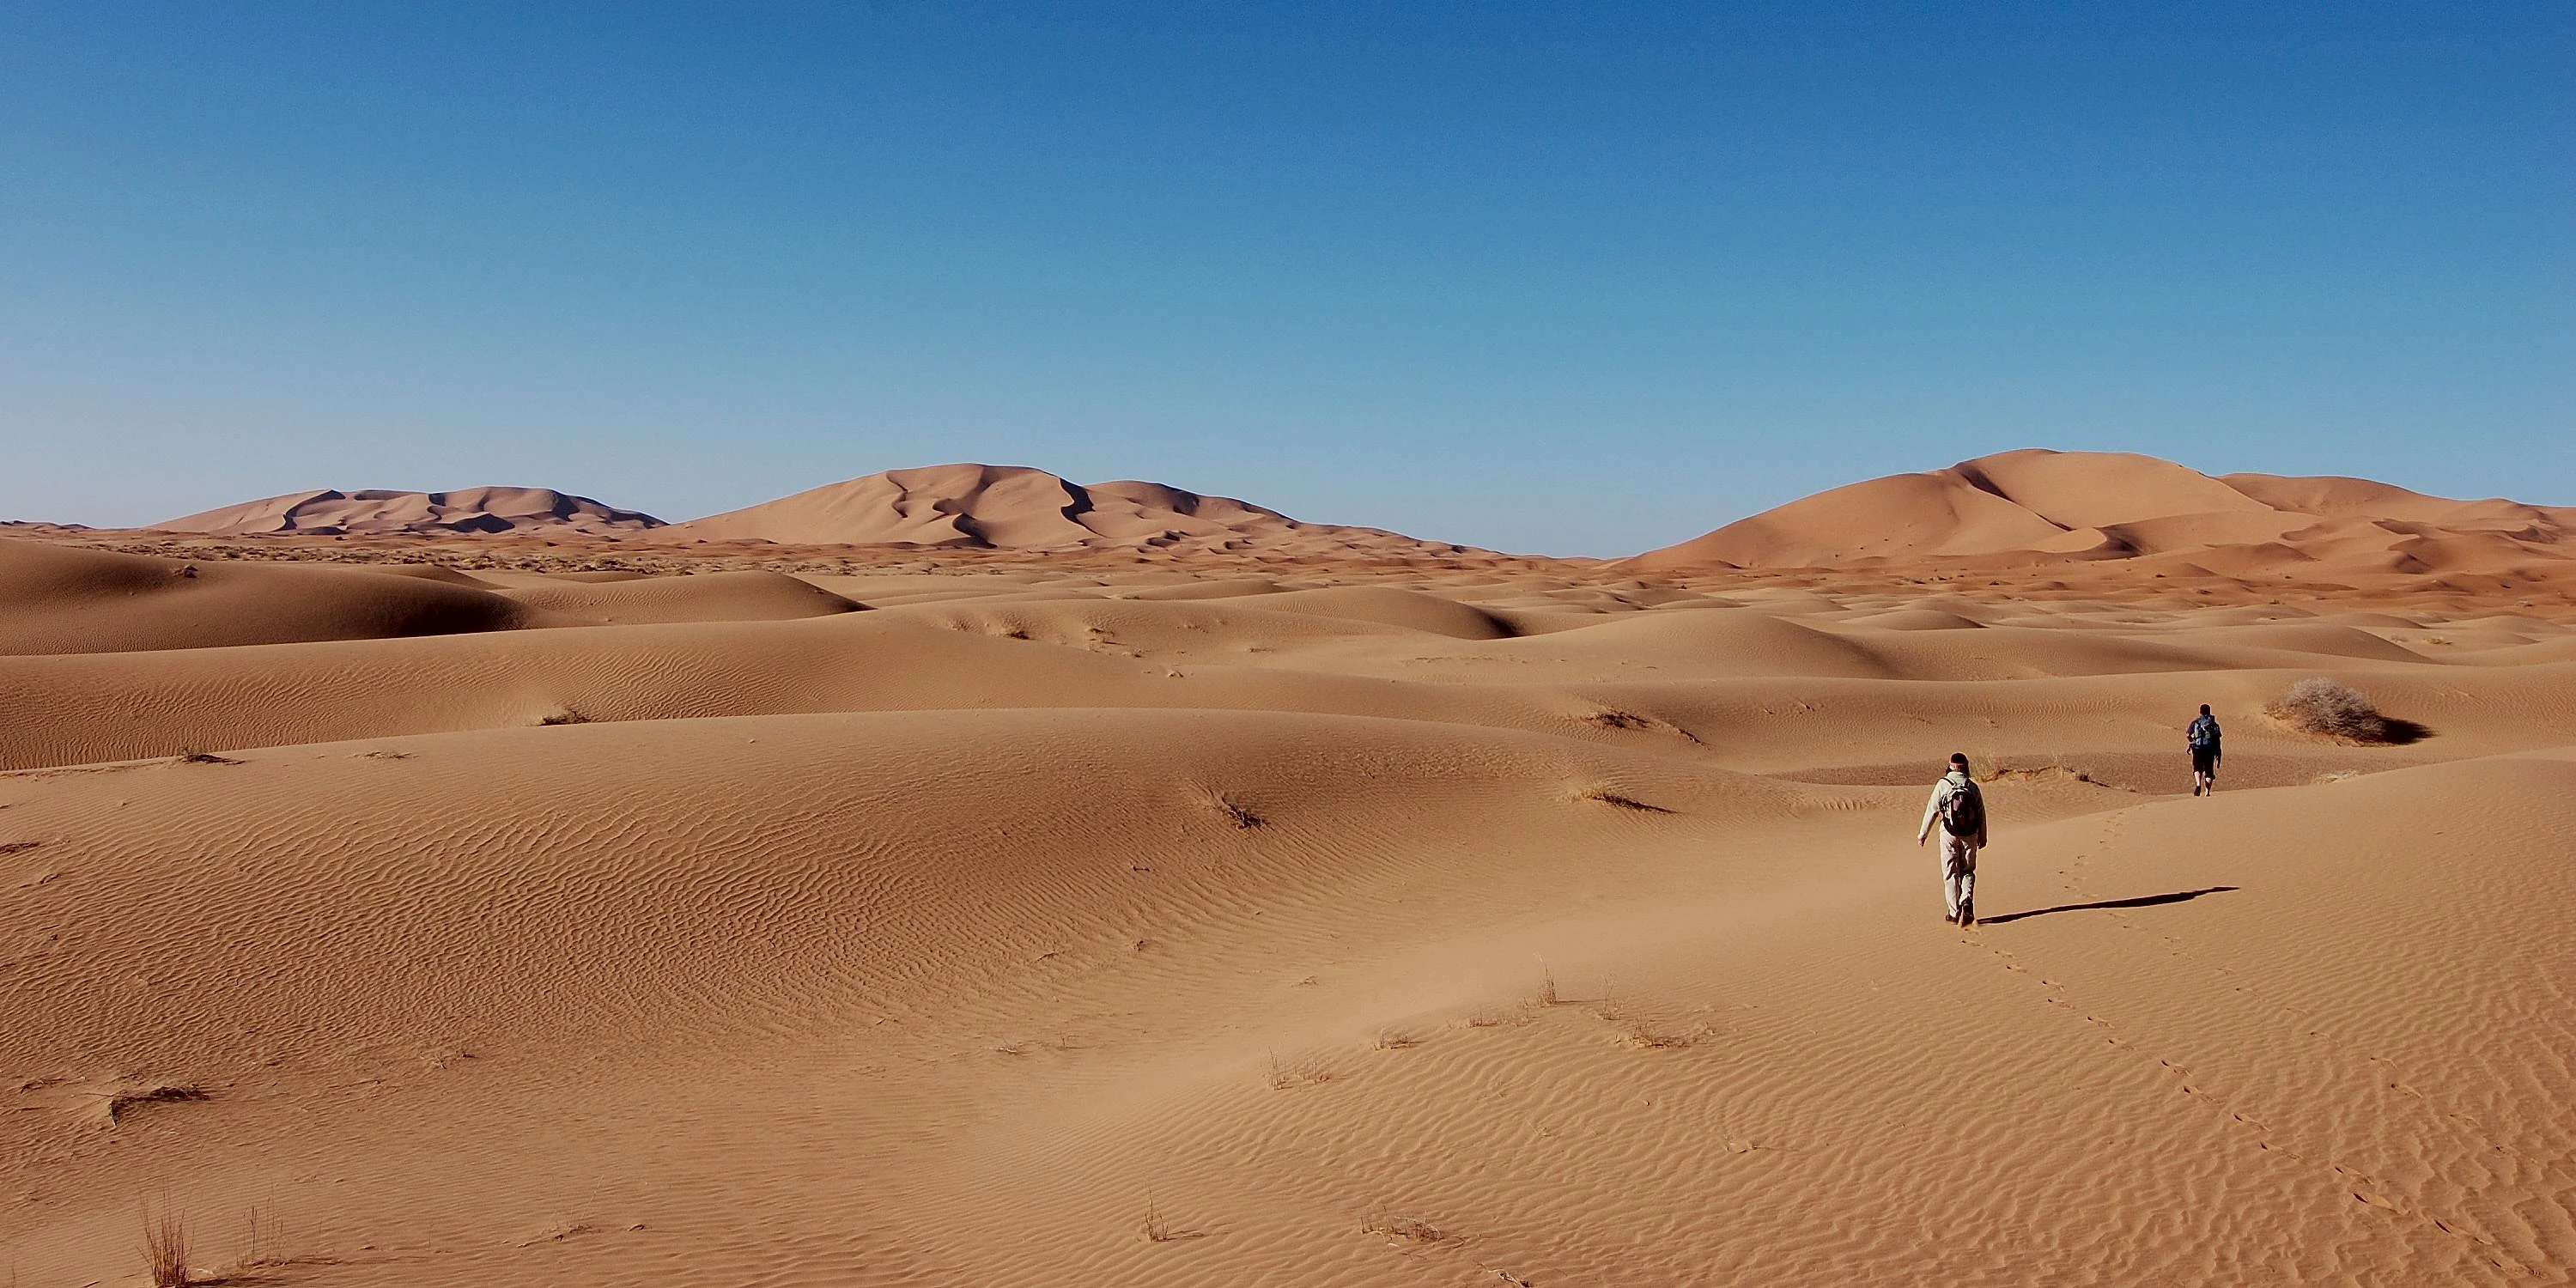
(1557, 277)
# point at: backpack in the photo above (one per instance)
(2203, 734)
(1964, 814)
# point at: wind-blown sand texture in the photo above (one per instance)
(1120, 918)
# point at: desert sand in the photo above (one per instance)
(957, 879)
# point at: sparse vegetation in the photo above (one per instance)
(1606, 796)
(259, 1246)
(1157, 1229)
(121, 1101)
(1408, 1229)
(1546, 984)
(1646, 1037)
(1242, 817)
(1614, 718)
(165, 1249)
(1283, 1075)
(2323, 708)
(1391, 1040)
(196, 756)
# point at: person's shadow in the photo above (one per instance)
(2142, 901)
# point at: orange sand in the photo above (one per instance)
(480, 909)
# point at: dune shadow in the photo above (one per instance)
(2142, 901)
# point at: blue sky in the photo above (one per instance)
(1568, 278)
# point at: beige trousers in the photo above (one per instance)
(1958, 872)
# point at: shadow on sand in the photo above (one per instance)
(2142, 901)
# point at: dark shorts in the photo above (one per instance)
(2204, 760)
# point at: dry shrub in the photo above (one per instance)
(1606, 796)
(2323, 708)
(1283, 1075)
(165, 1250)
(1409, 1229)
(1645, 1037)
(166, 1093)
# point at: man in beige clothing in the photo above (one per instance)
(1959, 809)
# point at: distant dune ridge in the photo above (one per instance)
(376, 512)
(2036, 505)
(961, 506)
(1011, 507)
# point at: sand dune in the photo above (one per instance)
(1017, 508)
(2033, 506)
(471, 911)
(469, 510)
(62, 599)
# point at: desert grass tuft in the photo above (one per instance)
(1283, 1075)
(1546, 984)
(1607, 796)
(563, 716)
(1157, 1228)
(165, 1249)
(1391, 1040)
(260, 1244)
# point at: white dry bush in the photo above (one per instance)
(2324, 708)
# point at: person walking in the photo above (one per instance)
(2203, 737)
(1960, 810)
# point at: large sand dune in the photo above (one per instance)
(466, 511)
(1013, 507)
(2038, 506)
(473, 912)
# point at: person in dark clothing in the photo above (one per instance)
(2203, 739)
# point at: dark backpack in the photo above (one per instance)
(2203, 734)
(1964, 814)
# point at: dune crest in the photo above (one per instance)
(1012, 507)
(385, 513)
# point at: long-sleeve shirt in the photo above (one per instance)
(1950, 784)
